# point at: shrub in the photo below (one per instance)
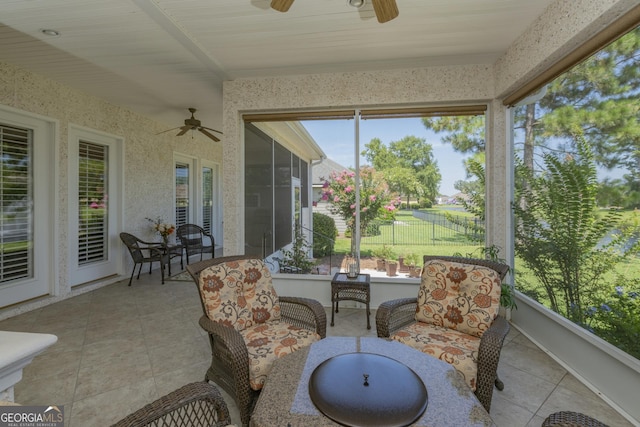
(325, 233)
(616, 317)
(425, 204)
(295, 260)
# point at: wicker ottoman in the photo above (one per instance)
(571, 419)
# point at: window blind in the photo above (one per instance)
(207, 199)
(16, 197)
(92, 202)
(182, 194)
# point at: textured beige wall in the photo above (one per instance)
(148, 166)
(565, 25)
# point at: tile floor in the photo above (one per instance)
(121, 347)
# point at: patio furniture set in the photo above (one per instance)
(190, 239)
(434, 361)
(263, 344)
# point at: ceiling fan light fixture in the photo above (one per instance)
(356, 3)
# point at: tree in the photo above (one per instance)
(408, 165)
(560, 235)
(598, 98)
(464, 133)
(375, 198)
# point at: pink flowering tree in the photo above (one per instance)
(375, 199)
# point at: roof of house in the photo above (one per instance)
(322, 170)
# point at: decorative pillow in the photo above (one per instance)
(239, 293)
(464, 297)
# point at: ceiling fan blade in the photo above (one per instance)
(184, 129)
(215, 130)
(168, 130)
(281, 5)
(210, 135)
(386, 10)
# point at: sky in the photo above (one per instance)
(336, 138)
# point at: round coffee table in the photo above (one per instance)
(366, 389)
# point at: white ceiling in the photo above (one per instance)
(159, 57)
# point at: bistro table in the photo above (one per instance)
(356, 289)
(285, 398)
(172, 250)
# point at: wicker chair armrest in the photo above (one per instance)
(210, 237)
(305, 313)
(149, 244)
(488, 358)
(393, 315)
(199, 401)
(230, 344)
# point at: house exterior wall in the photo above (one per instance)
(148, 163)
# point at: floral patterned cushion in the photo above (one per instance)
(464, 297)
(456, 348)
(267, 342)
(239, 293)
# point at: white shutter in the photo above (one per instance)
(92, 203)
(207, 199)
(16, 196)
(183, 194)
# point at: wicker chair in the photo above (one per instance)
(197, 404)
(194, 239)
(239, 303)
(396, 319)
(145, 252)
(571, 419)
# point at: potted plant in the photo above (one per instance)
(403, 263)
(392, 267)
(382, 254)
(413, 261)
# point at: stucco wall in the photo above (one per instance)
(148, 165)
(565, 25)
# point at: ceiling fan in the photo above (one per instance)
(194, 124)
(385, 10)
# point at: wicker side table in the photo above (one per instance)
(357, 289)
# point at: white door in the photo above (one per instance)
(27, 191)
(94, 207)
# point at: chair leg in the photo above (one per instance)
(132, 273)
(499, 384)
(139, 270)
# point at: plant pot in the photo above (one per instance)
(414, 271)
(392, 268)
(402, 267)
(380, 265)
